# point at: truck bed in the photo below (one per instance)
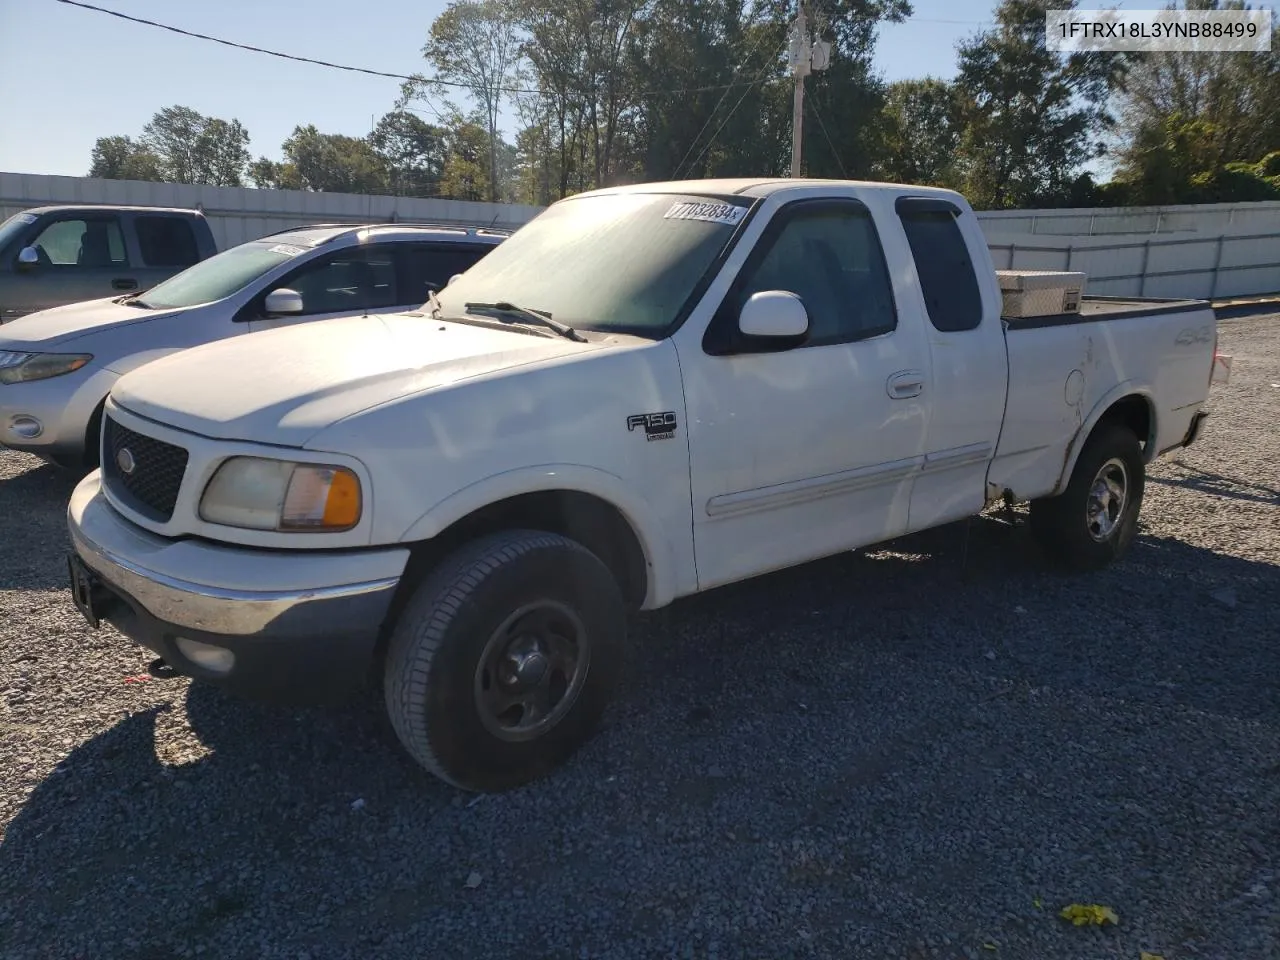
(1094, 309)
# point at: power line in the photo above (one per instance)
(813, 105)
(364, 70)
(711, 116)
(729, 116)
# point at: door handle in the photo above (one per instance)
(905, 384)
(124, 283)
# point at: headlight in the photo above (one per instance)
(280, 495)
(21, 367)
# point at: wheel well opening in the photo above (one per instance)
(1135, 413)
(93, 435)
(596, 524)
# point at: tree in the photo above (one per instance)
(844, 120)
(922, 133)
(1032, 117)
(192, 148)
(1184, 115)
(473, 43)
(122, 158)
(412, 151)
(270, 175)
(334, 162)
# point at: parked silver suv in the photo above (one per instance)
(57, 366)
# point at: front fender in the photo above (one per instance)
(577, 478)
(1128, 388)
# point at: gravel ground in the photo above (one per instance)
(924, 751)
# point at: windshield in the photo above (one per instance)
(621, 262)
(220, 276)
(13, 226)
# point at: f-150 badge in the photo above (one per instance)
(657, 426)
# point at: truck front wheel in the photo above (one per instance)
(505, 658)
(1094, 520)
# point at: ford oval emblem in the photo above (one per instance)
(125, 461)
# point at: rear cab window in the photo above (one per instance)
(166, 241)
(948, 280)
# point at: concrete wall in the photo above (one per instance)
(1200, 218)
(237, 214)
(1156, 266)
(1203, 250)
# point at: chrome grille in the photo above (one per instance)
(151, 485)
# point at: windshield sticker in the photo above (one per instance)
(288, 249)
(726, 213)
(27, 218)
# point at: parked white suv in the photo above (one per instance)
(57, 366)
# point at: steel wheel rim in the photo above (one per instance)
(531, 670)
(1108, 498)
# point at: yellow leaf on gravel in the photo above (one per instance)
(1149, 956)
(1082, 914)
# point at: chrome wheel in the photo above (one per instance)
(1108, 497)
(532, 670)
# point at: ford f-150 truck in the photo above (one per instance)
(647, 392)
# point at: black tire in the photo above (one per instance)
(439, 695)
(1064, 527)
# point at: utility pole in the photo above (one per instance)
(804, 55)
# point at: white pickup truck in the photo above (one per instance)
(646, 392)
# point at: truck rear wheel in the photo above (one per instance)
(1095, 519)
(505, 658)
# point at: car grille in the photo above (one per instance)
(151, 487)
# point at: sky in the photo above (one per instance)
(70, 75)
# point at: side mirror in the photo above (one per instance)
(27, 258)
(776, 319)
(283, 301)
(453, 278)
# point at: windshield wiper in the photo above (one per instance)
(433, 302)
(543, 319)
(134, 300)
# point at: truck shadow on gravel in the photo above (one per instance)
(1216, 484)
(774, 707)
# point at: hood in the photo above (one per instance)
(47, 328)
(283, 386)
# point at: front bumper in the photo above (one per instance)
(62, 406)
(302, 624)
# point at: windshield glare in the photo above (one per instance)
(219, 276)
(620, 262)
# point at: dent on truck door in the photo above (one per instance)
(968, 362)
(802, 453)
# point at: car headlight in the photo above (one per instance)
(266, 494)
(21, 367)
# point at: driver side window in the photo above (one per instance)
(829, 255)
(95, 242)
(362, 278)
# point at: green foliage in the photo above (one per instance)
(922, 130)
(1031, 117)
(123, 158)
(413, 152)
(601, 92)
(178, 145)
(192, 148)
